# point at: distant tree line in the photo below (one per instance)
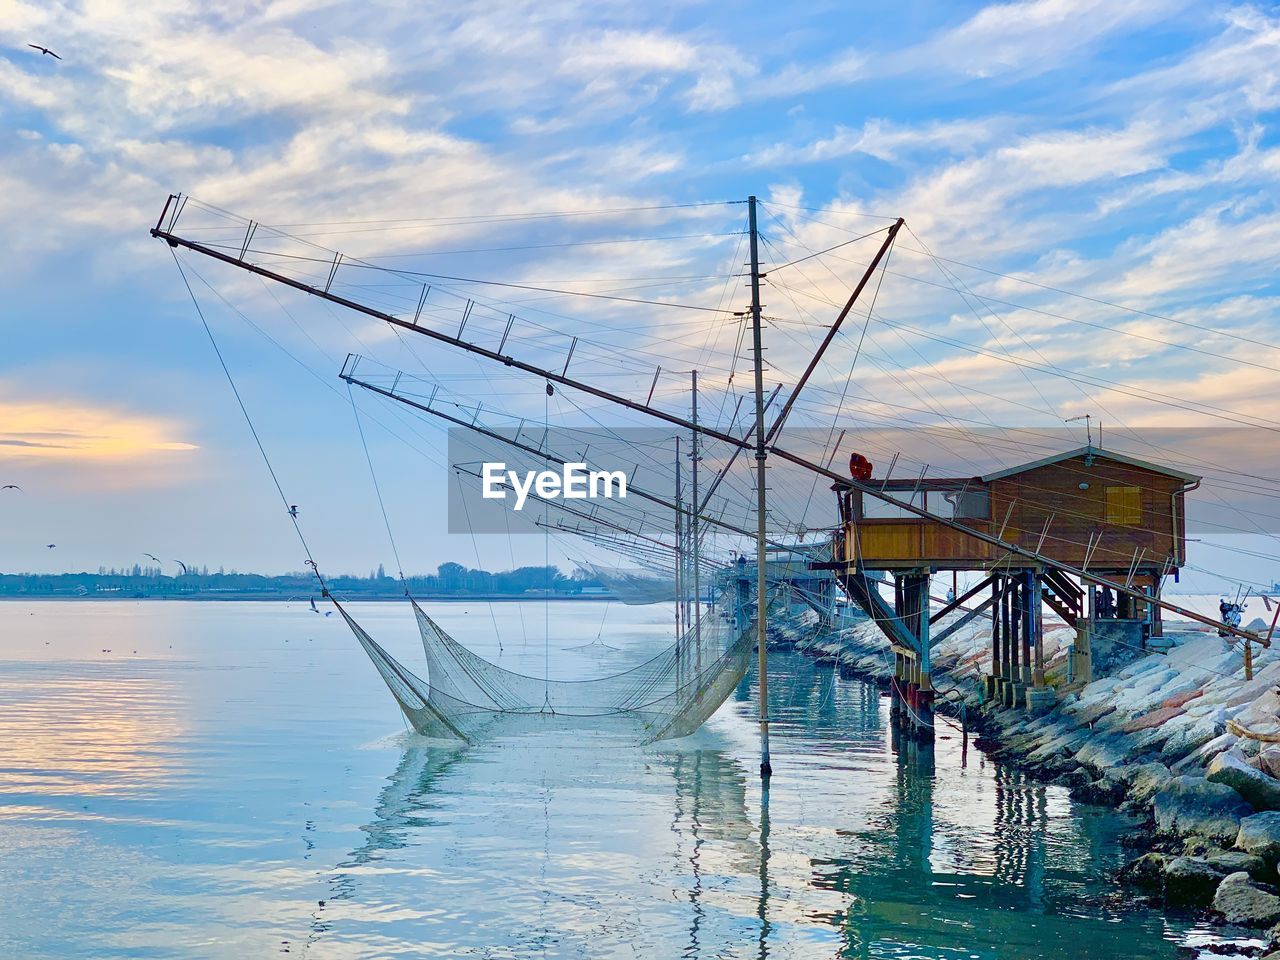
(449, 580)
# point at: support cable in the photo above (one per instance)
(290, 510)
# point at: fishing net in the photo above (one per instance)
(634, 587)
(468, 698)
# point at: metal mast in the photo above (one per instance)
(694, 534)
(762, 600)
(680, 623)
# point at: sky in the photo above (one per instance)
(1122, 158)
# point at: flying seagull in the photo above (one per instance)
(50, 546)
(313, 605)
(10, 486)
(293, 510)
(182, 565)
(153, 557)
(44, 50)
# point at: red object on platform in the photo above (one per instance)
(859, 467)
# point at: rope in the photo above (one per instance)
(475, 548)
(292, 513)
(377, 489)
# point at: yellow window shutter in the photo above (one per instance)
(1124, 506)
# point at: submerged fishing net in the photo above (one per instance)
(468, 698)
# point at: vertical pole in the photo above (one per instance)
(1029, 596)
(996, 670)
(693, 536)
(1084, 637)
(924, 693)
(1037, 629)
(1006, 663)
(902, 671)
(679, 555)
(762, 600)
(1157, 617)
(1015, 638)
(922, 631)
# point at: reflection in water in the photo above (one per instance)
(405, 801)
(955, 862)
(101, 733)
(763, 910)
(870, 846)
(237, 803)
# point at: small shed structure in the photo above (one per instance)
(1101, 511)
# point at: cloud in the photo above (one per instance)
(68, 431)
(884, 140)
(1001, 40)
(167, 67)
(1141, 179)
(845, 68)
(619, 66)
(1030, 37)
(1238, 66)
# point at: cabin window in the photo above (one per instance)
(1124, 506)
(873, 508)
(960, 504)
(948, 504)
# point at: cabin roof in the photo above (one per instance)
(1098, 455)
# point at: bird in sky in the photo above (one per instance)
(153, 557)
(11, 486)
(182, 565)
(314, 609)
(50, 546)
(293, 510)
(44, 50)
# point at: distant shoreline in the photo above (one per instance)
(257, 597)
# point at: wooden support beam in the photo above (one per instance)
(1006, 662)
(996, 660)
(969, 615)
(960, 601)
(921, 589)
(1029, 589)
(1015, 629)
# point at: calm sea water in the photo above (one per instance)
(232, 781)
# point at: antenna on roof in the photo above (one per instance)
(1088, 426)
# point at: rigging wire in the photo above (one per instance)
(484, 218)
(292, 513)
(377, 487)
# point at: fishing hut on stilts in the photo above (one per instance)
(1088, 534)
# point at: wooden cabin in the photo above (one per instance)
(1107, 513)
(1101, 510)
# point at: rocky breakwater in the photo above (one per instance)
(1178, 739)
